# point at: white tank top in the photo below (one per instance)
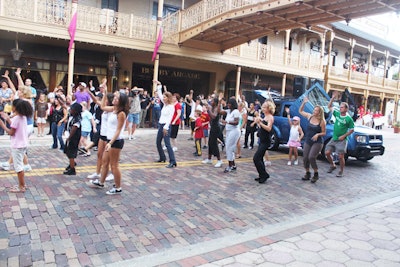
(103, 126)
(294, 133)
(112, 125)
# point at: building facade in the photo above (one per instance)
(116, 39)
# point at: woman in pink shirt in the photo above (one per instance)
(18, 132)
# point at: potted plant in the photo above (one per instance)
(396, 127)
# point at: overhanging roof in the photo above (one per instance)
(264, 18)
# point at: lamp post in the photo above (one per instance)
(113, 70)
(16, 52)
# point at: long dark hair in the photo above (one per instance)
(22, 107)
(123, 104)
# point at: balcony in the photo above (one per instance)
(104, 27)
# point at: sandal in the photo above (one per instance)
(86, 155)
(17, 189)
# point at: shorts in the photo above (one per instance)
(133, 118)
(40, 120)
(174, 131)
(104, 138)
(71, 149)
(337, 146)
(18, 158)
(118, 144)
(205, 132)
(85, 134)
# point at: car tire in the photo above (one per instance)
(274, 141)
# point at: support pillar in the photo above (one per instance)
(237, 88)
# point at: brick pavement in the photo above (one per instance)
(193, 213)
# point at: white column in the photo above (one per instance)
(238, 73)
(159, 25)
(71, 57)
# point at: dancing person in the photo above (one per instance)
(198, 133)
(343, 127)
(313, 141)
(74, 137)
(59, 117)
(251, 127)
(101, 135)
(265, 127)
(41, 114)
(18, 132)
(213, 149)
(231, 123)
(164, 129)
(295, 136)
(115, 141)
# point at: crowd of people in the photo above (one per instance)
(94, 118)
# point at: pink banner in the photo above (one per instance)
(157, 45)
(72, 30)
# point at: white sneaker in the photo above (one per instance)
(114, 191)
(175, 148)
(164, 148)
(296, 162)
(219, 164)
(289, 163)
(5, 165)
(27, 168)
(93, 176)
(267, 163)
(207, 161)
(130, 137)
(110, 177)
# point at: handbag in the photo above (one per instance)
(7, 108)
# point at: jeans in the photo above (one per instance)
(156, 116)
(57, 132)
(143, 114)
(258, 160)
(160, 136)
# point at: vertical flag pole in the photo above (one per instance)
(71, 48)
(156, 56)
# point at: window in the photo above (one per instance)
(109, 4)
(167, 10)
(263, 40)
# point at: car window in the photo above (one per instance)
(317, 98)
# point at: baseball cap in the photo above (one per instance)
(296, 118)
(83, 84)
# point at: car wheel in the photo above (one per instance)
(274, 141)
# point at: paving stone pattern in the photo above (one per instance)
(62, 221)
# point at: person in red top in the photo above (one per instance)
(176, 120)
(198, 132)
(205, 118)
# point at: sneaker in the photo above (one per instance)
(164, 148)
(97, 183)
(296, 162)
(93, 176)
(94, 149)
(5, 166)
(114, 191)
(315, 177)
(289, 163)
(227, 169)
(233, 168)
(204, 147)
(27, 168)
(340, 174)
(267, 163)
(306, 177)
(244, 146)
(250, 147)
(219, 164)
(130, 138)
(174, 149)
(70, 172)
(207, 161)
(110, 177)
(331, 169)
